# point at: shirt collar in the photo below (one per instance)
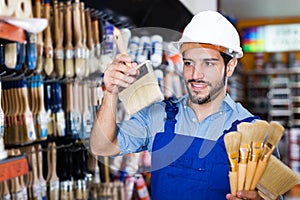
(227, 102)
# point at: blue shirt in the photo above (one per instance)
(137, 133)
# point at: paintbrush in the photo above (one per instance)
(39, 40)
(275, 133)
(26, 114)
(90, 42)
(78, 46)
(48, 46)
(68, 46)
(58, 38)
(76, 110)
(145, 90)
(246, 130)
(49, 164)
(86, 52)
(42, 182)
(70, 124)
(232, 144)
(42, 116)
(59, 112)
(86, 116)
(260, 128)
(53, 181)
(97, 45)
(276, 180)
(34, 186)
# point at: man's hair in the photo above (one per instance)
(226, 58)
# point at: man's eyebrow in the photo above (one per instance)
(205, 59)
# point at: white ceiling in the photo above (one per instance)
(249, 9)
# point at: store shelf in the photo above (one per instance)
(12, 167)
(11, 32)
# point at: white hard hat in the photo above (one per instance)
(211, 29)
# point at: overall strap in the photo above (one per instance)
(171, 110)
(236, 122)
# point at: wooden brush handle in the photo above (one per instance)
(233, 179)
(39, 156)
(53, 162)
(89, 41)
(49, 149)
(68, 26)
(38, 15)
(57, 31)
(68, 34)
(69, 98)
(77, 24)
(47, 39)
(258, 174)
(251, 167)
(120, 41)
(241, 176)
(95, 31)
(106, 169)
(83, 24)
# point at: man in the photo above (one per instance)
(185, 136)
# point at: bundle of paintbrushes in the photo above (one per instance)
(252, 165)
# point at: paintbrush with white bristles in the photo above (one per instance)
(275, 133)
(232, 144)
(260, 128)
(246, 130)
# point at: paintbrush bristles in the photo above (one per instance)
(232, 141)
(277, 179)
(246, 130)
(232, 144)
(275, 133)
(260, 129)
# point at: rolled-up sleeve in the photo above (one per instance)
(137, 133)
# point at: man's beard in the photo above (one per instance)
(212, 94)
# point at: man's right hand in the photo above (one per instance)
(120, 73)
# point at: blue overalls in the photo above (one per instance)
(188, 168)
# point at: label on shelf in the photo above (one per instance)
(13, 167)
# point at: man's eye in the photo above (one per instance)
(209, 63)
(187, 63)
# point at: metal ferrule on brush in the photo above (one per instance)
(255, 151)
(244, 153)
(233, 161)
(79, 53)
(267, 151)
(69, 54)
(59, 54)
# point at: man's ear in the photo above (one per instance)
(231, 66)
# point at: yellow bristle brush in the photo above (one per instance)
(260, 128)
(276, 180)
(246, 130)
(275, 133)
(232, 144)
